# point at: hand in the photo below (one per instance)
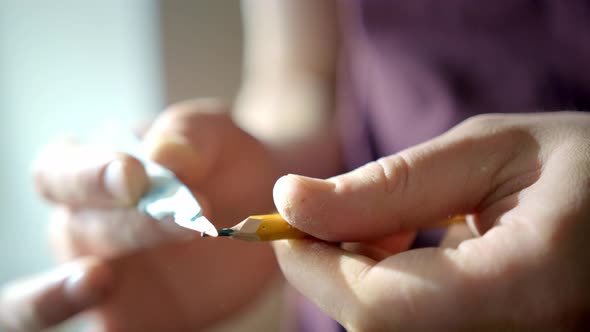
(132, 273)
(526, 180)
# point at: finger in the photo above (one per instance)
(82, 176)
(182, 287)
(456, 234)
(382, 248)
(109, 232)
(181, 138)
(52, 297)
(406, 290)
(448, 175)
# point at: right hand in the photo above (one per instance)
(526, 180)
(131, 272)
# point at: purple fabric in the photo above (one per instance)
(311, 319)
(412, 69)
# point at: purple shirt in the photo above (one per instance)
(413, 69)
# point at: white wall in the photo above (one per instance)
(201, 48)
(66, 66)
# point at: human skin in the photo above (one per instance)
(290, 79)
(142, 274)
(526, 179)
(128, 273)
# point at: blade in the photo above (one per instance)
(168, 197)
(199, 224)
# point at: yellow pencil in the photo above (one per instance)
(270, 227)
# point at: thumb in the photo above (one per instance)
(186, 138)
(454, 173)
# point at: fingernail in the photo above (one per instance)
(125, 180)
(291, 189)
(88, 285)
(174, 153)
(312, 183)
(281, 194)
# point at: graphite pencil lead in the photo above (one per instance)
(225, 232)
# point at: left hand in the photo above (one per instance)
(525, 178)
(129, 272)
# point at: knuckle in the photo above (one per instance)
(483, 119)
(482, 123)
(389, 174)
(396, 172)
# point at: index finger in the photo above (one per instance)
(77, 175)
(403, 292)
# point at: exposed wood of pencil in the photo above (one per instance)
(270, 227)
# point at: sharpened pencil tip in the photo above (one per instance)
(225, 232)
(220, 232)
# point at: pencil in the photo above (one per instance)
(270, 227)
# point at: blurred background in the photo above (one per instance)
(68, 66)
